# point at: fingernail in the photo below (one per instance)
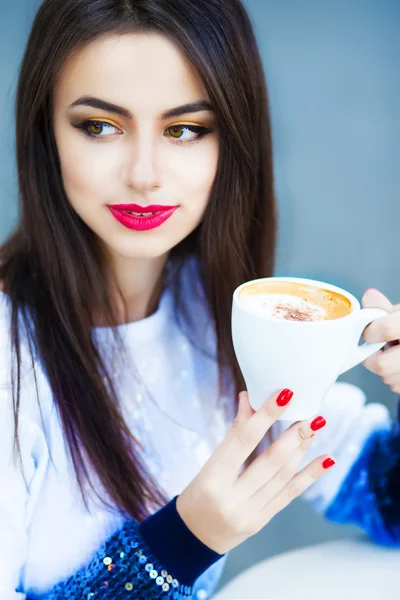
(328, 463)
(318, 423)
(370, 290)
(284, 397)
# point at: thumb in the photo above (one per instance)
(245, 411)
(375, 299)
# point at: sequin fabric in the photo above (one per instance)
(122, 568)
(370, 494)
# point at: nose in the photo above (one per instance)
(142, 170)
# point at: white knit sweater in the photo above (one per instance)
(174, 410)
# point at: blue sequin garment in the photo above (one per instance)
(370, 494)
(122, 568)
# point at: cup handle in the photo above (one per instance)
(361, 353)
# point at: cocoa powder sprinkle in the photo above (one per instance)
(291, 313)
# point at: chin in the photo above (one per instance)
(137, 251)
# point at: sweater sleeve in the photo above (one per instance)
(126, 567)
(370, 495)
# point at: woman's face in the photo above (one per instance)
(135, 152)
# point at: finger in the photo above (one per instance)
(281, 479)
(299, 484)
(244, 437)
(245, 411)
(274, 458)
(385, 364)
(375, 299)
(384, 329)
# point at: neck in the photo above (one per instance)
(141, 283)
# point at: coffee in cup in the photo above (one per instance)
(294, 301)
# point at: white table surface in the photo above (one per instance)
(339, 570)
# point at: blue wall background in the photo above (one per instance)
(333, 75)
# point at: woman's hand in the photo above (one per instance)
(223, 506)
(385, 363)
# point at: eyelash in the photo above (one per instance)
(201, 131)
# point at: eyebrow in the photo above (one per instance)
(192, 107)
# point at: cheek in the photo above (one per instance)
(85, 173)
(197, 170)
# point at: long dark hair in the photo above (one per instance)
(52, 267)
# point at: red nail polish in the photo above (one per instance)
(328, 463)
(318, 423)
(284, 397)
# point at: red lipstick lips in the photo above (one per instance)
(141, 218)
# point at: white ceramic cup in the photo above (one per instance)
(304, 356)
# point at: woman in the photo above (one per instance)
(145, 174)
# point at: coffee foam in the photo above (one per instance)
(283, 306)
(294, 301)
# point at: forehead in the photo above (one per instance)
(144, 72)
